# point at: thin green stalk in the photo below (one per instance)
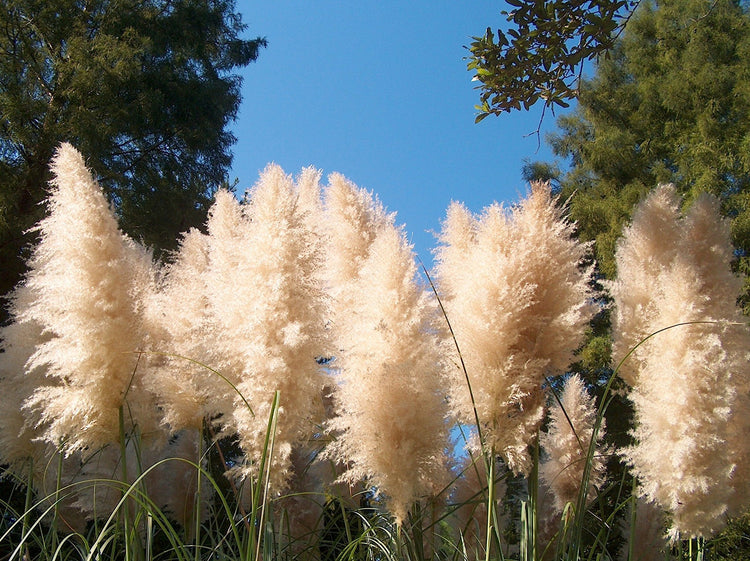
(633, 514)
(534, 500)
(525, 532)
(490, 502)
(125, 513)
(27, 506)
(58, 486)
(149, 536)
(264, 503)
(197, 501)
(262, 486)
(398, 542)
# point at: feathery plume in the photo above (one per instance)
(179, 322)
(653, 236)
(519, 304)
(567, 445)
(353, 219)
(690, 383)
(267, 310)
(18, 341)
(390, 427)
(87, 280)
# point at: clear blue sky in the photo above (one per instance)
(379, 91)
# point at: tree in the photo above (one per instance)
(144, 88)
(669, 105)
(541, 55)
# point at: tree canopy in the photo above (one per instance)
(146, 89)
(669, 105)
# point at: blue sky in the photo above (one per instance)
(379, 91)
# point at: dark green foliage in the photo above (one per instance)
(144, 88)
(542, 171)
(734, 542)
(542, 53)
(669, 105)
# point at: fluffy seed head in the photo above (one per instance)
(87, 279)
(519, 304)
(690, 382)
(567, 443)
(390, 428)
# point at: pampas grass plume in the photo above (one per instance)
(390, 429)
(87, 279)
(267, 309)
(567, 443)
(519, 305)
(690, 382)
(180, 328)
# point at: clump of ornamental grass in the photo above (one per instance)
(519, 304)
(70, 367)
(240, 332)
(390, 424)
(675, 299)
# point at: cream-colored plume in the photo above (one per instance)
(690, 381)
(391, 424)
(519, 304)
(88, 281)
(266, 318)
(566, 444)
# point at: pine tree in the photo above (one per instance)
(144, 89)
(669, 105)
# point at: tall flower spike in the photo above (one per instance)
(390, 427)
(519, 305)
(353, 219)
(179, 323)
(88, 280)
(268, 312)
(567, 444)
(653, 236)
(690, 388)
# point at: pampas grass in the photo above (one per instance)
(390, 426)
(87, 281)
(566, 442)
(285, 387)
(690, 382)
(519, 304)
